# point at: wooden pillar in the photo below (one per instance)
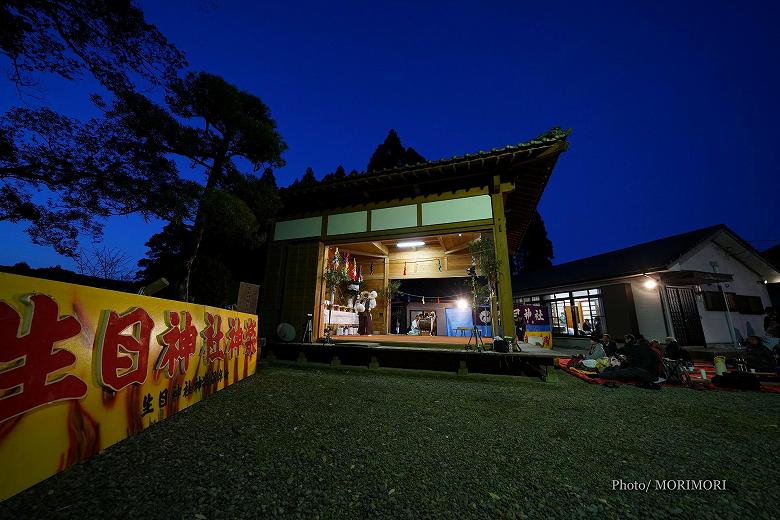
(502, 259)
(320, 318)
(388, 321)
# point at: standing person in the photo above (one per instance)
(519, 325)
(432, 316)
(597, 330)
(770, 323)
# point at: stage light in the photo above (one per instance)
(650, 284)
(412, 243)
(462, 303)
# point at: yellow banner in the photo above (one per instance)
(83, 368)
(540, 338)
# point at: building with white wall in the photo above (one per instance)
(706, 287)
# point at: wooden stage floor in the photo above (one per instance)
(439, 342)
(387, 339)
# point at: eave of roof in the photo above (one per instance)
(366, 186)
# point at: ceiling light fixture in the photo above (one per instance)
(411, 243)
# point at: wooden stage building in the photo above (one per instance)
(441, 206)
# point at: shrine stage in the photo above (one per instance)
(438, 353)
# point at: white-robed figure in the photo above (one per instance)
(366, 303)
(415, 330)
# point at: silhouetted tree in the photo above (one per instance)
(336, 175)
(391, 154)
(110, 39)
(232, 247)
(536, 250)
(62, 176)
(212, 124)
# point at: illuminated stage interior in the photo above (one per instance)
(432, 271)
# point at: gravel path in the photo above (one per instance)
(325, 443)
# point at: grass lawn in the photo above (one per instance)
(353, 443)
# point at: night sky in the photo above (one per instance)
(673, 105)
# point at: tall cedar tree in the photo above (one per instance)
(211, 123)
(61, 175)
(110, 40)
(536, 250)
(392, 154)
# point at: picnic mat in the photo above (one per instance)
(592, 377)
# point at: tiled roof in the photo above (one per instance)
(656, 255)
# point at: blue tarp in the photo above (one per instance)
(462, 318)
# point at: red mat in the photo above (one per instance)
(695, 377)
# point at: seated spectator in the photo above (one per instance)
(610, 347)
(757, 356)
(596, 349)
(673, 350)
(656, 347)
(643, 363)
(586, 326)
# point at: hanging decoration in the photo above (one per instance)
(439, 260)
(438, 300)
(360, 274)
(353, 270)
(336, 259)
(371, 268)
(423, 300)
(404, 268)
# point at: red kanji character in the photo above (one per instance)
(212, 336)
(235, 337)
(123, 359)
(30, 356)
(250, 346)
(178, 343)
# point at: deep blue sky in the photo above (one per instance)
(673, 105)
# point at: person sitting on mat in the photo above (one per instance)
(610, 347)
(642, 363)
(757, 356)
(673, 350)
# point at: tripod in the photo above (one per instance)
(307, 331)
(476, 335)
